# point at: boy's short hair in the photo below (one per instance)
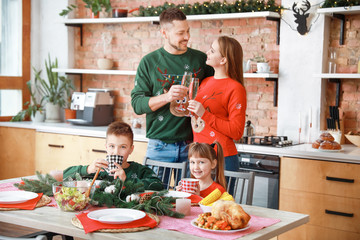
(171, 14)
(120, 129)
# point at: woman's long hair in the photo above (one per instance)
(231, 49)
(208, 151)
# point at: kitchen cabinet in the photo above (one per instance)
(17, 148)
(56, 151)
(60, 151)
(327, 191)
(94, 148)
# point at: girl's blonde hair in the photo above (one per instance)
(205, 150)
(231, 49)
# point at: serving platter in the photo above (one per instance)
(193, 223)
(14, 197)
(329, 150)
(177, 194)
(116, 215)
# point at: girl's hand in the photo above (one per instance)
(195, 191)
(196, 107)
(95, 165)
(119, 172)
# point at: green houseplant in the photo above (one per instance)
(35, 108)
(96, 6)
(55, 90)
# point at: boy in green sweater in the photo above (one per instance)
(119, 141)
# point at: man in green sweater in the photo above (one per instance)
(119, 141)
(157, 84)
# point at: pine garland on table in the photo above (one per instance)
(41, 185)
(213, 7)
(115, 194)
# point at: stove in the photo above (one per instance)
(271, 141)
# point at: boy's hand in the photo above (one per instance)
(95, 165)
(119, 172)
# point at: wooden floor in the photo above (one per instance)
(11, 230)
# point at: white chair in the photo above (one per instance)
(168, 172)
(242, 179)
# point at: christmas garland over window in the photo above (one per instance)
(340, 3)
(213, 7)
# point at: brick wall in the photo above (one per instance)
(347, 62)
(131, 41)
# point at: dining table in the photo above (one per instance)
(52, 219)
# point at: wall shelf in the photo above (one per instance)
(339, 13)
(336, 78)
(270, 16)
(156, 18)
(76, 71)
(338, 75)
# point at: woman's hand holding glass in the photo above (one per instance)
(196, 107)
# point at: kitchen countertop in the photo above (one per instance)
(349, 154)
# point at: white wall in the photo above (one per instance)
(49, 35)
(300, 58)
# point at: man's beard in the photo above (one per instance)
(178, 48)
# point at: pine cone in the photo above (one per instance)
(145, 197)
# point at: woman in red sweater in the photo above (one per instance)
(220, 104)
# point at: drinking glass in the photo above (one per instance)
(193, 89)
(186, 79)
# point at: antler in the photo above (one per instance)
(307, 5)
(294, 8)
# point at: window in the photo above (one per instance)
(15, 19)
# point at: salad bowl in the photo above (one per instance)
(70, 195)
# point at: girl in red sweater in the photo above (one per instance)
(220, 104)
(204, 158)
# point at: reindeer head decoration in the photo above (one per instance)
(301, 17)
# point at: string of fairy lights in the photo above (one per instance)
(217, 7)
(213, 7)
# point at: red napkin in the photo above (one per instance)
(195, 198)
(90, 225)
(28, 205)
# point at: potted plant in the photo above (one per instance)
(96, 7)
(105, 63)
(54, 91)
(34, 109)
(262, 64)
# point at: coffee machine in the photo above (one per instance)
(93, 108)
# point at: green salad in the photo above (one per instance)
(71, 199)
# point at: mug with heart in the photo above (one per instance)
(112, 159)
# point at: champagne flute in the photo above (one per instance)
(186, 79)
(193, 89)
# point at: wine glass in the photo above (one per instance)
(186, 79)
(193, 89)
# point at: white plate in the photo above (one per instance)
(328, 150)
(13, 197)
(219, 231)
(178, 194)
(116, 215)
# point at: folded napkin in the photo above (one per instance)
(90, 225)
(28, 205)
(195, 198)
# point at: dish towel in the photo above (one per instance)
(90, 225)
(28, 205)
(184, 225)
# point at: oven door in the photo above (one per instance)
(266, 186)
